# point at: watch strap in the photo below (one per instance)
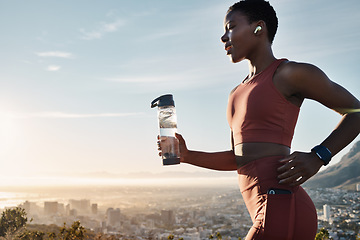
(323, 153)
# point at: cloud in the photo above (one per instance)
(144, 79)
(55, 115)
(112, 27)
(55, 54)
(53, 68)
(103, 29)
(163, 82)
(90, 35)
(160, 35)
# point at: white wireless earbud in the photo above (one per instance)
(258, 28)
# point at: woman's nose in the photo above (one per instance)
(224, 38)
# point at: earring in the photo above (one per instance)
(258, 28)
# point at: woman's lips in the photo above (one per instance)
(227, 49)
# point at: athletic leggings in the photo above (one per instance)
(275, 216)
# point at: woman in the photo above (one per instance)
(262, 114)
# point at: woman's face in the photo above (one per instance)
(239, 36)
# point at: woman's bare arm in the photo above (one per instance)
(222, 161)
(310, 82)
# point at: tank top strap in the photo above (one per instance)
(276, 64)
(268, 75)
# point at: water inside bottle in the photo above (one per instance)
(167, 118)
(169, 143)
(169, 147)
(168, 127)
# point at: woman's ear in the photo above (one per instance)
(259, 27)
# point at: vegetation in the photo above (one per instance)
(76, 231)
(13, 226)
(12, 222)
(323, 234)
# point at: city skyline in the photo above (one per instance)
(198, 211)
(78, 79)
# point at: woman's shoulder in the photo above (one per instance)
(298, 75)
(301, 79)
(293, 70)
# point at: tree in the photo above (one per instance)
(34, 235)
(322, 234)
(75, 232)
(12, 221)
(217, 234)
(51, 236)
(13, 226)
(101, 236)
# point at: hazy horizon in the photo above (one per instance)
(171, 178)
(105, 191)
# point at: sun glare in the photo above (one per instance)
(10, 136)
(62, 181)
(8, 131)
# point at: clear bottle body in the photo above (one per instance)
(169, 143)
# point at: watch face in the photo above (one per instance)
(323, 154)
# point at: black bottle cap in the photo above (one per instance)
(164, 100)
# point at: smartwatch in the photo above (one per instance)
(323, 153)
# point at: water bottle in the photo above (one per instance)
(168, 125)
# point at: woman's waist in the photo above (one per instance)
(248, 152)
(261, 136)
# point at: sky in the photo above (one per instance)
(77, 79)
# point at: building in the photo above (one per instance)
(168, 217)
(73, 213)
(51, 208)
(94, 208)
(61, 208)
(358, 187)
(27, 207)
(113, 217)
(326, 209)
(82, 206)
(67, 210)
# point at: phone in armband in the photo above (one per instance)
(278, 191)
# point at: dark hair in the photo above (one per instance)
(257, 10)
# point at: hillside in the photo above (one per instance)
(345, 174)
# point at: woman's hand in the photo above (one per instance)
(298, 168)
(183, 149)
(182, 146)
